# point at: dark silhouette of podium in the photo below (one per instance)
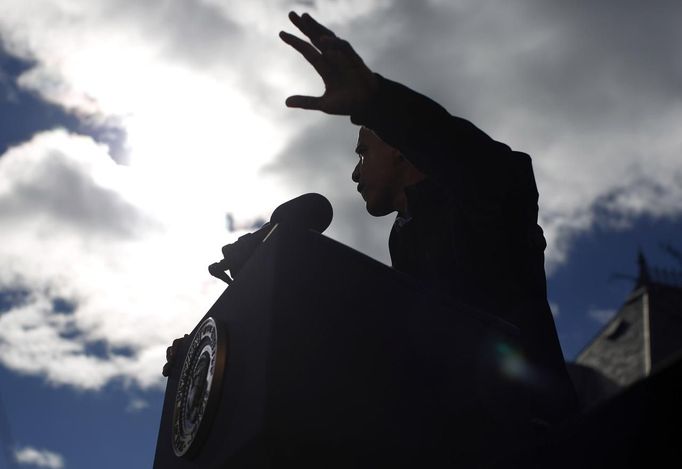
(336, 360)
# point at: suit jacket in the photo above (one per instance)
(471, 229)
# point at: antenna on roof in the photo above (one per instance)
(672, 252)
(644, 275)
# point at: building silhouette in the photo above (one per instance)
(644, 335)
(629, 381)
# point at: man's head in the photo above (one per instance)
(382, 174)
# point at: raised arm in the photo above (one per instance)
(437, 143)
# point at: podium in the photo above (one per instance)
(335, 360)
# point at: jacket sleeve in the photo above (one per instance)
(450, 150)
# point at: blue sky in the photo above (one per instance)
(130, 129)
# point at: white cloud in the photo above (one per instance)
(601, 315)
(554, 307)
(136, 405)
(81, 229)
(39, 457)
(198, 87)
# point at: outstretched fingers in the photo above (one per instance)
(311, 28)
(339, 51)
(311, 54)
(346, 78)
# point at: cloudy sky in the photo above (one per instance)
(130, 130)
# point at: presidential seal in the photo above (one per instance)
(198, 392)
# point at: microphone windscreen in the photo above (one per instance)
(310, 211)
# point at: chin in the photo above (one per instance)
(378, 211)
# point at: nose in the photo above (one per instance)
(356, 172)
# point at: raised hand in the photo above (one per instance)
(348, 82)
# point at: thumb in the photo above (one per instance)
(304, 102)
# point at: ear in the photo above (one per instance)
(412, 174)
(403, 163)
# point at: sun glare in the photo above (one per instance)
(196, 143)
(203, 148)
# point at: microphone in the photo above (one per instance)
(308, 211)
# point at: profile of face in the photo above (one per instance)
(380, 173)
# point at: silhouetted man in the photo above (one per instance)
(467, 205)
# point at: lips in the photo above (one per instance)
(361, 188)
